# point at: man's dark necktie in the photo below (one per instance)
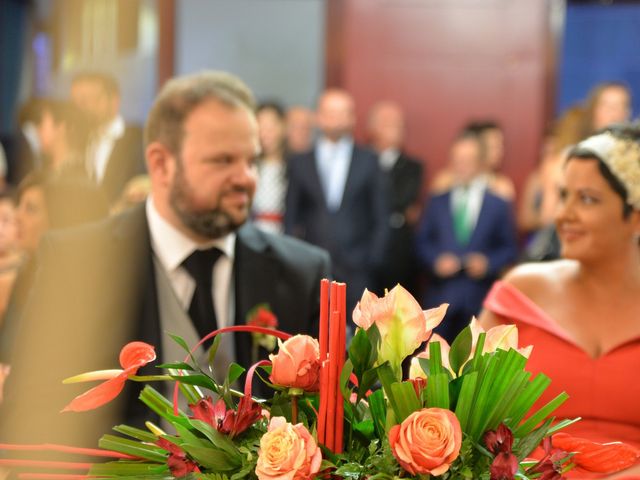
(200, 266)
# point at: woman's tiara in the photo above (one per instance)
(622, 157)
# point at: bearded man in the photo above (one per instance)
(184, 263)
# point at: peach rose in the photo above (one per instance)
(287, 452)
(427, 441)
(297, 364)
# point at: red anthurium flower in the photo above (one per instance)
(179, 464)
(133, 356)
(505, 463)
(551, 465)
(597, 457)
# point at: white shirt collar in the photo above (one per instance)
(388, 158)
(172, 247)
(115, 129)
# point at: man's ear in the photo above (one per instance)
(161, 163)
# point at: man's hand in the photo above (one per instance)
(447, 265)
(476, 265)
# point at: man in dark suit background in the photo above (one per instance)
(405, 176)
(116, 153)
(130, 277)
(466, 238)
(337, 197)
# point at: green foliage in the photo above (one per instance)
(484, 389)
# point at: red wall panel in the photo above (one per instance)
(447, 62)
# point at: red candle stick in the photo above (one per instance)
(333, 380)
(341, 333)
(324, 373)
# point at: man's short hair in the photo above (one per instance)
(181, 95)
(106, 81)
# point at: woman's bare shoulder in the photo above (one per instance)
(540, 276)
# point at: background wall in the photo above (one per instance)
(448, 62)
(601, 43)
(276, 46)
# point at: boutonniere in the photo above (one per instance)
(262, 316)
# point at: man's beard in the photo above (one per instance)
(214, 223)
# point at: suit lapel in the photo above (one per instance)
(352, 177)
(481, 221)
(135, 257)
(315, 185)
(256, 273)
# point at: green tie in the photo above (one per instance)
(461, 227)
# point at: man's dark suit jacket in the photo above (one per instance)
(494, 236)
(399, 265)
(355, 235)
(96, 291)
(125, 162)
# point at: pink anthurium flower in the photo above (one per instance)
(416, 370)
(133, 356)
(500, 337)
(402, 323)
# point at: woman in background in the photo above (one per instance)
(268, 203)
(584, 309)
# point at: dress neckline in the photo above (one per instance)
(503, 300)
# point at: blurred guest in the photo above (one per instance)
(63, 136)
(116, 150)
(45, 203)
(268, 203)
(10, 258)
(22, 148)
(405, 175)
(492, 150)
(300, 125)
(607, 104)
(466, 238)
(337, 197)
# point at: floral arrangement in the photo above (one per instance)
(464, 412)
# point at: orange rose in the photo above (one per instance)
(427, 441)
(287, 452)
(297, 364)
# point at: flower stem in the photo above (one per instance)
(294, 409)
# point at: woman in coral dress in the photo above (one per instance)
(582, 313)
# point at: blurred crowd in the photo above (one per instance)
(384, 217)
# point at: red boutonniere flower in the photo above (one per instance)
(262, 316)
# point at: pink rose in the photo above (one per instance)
(427, 441)
(287, 452)
(297, 364)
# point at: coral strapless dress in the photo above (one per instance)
(603, 391)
